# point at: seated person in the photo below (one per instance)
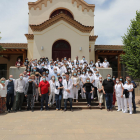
(19, 63)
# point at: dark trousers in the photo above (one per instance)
(88, 97)
(133, 101)
(95, 92)
(10, 101)
(58, 99)
(109, 100)
(30, 98)
(44, 97)
(19, 100)
(65, 103)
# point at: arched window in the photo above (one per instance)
(61, 10)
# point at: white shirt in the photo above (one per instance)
(128, 87)
(25, 79)
(96, 81)
(118, 89)
(20, 85)
(92, 77)
(3, 90)
(84, 77)
(97, 64)
(105, 64)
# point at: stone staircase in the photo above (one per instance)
(82, 104)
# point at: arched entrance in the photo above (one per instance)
(61, 49)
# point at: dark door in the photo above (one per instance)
(3, 70)
(61, 49)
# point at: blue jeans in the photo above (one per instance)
(109, 100)
(133, 101)
(8, 102)
(88, 97)
(58, 99)
(65, 103)
(44, 97)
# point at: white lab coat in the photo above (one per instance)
(67, 95)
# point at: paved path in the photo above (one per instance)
(77, 125)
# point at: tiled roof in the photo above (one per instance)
(14, 45)
(109, 47)
(59, 17)
(93, 38)
(29, 36)
(39, 3)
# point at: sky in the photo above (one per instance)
(112, 18)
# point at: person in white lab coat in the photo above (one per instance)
(84, 76)
(96, 83)
(83, 60)
(58, 93)
(92, 79)
(53, 90)
(129, 87)
(68, 92)
(119, 94)
(75, 80)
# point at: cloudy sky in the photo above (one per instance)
(112, 18)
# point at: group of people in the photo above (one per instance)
(66, 80)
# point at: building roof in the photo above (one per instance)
(109, 47)
(29, 36)
(38, 4)
(92, 38)
(59, 17)
(14, 45)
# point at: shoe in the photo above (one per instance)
(108, 110)
(130, 113)
(56, 109)
(9, 111)
(125, 112)
(71, 110)
(134, 112)
(111, 110)
(65, 110)
(32, 110)
(27, 109)
(122, 110)
(20, 110)
(60, 109)
(118, 110)
(41, 109)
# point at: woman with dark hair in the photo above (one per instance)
(19, 63)
(58, 93)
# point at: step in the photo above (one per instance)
(74, 107)
(74, 103)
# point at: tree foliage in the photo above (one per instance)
(131, 42)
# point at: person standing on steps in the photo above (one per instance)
(68, 93)
(88, 89)
(108, 89)
(19, 88)
(30, 90)
(44, 92)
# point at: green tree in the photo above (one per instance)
(131, 42)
